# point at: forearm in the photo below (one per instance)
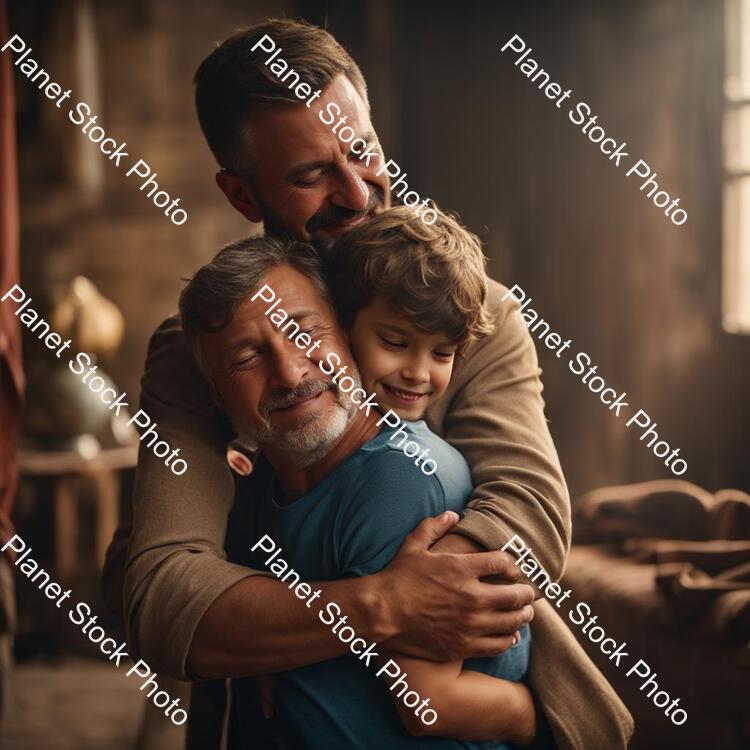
(477, 707)
(493, 413)
(469, 705)
(490, 528)
(259, 626)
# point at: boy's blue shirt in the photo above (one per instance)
(351, 524)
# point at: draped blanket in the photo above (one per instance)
(699, 542)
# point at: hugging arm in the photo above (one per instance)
(188, 611)
(469, 705)
(493, 413)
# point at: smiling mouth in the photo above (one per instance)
(349, 223)
(297, 404)
(407, 397)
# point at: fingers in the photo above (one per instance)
(491, 646)
(429, 531)
(500, 623)
(503, 597)
(483, 564)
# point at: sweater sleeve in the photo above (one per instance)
(176, 565)
(493, 414)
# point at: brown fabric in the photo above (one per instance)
(493, 413)
(710, 675)
(176, 565)
(667, 508)
(699, 542)
(113, 575)
(11, 373)
(582, 709)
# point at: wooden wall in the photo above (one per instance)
(147, 53)
(640, 295)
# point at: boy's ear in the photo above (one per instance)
(240, 194)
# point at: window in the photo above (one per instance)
(736, 261)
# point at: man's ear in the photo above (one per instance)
(239, 194)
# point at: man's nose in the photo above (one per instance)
(352, 191)
(290, 367)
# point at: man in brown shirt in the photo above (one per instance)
(188, 612)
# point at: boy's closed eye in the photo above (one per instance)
(445, 354)
(392, 342)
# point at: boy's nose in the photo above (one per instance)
(416, 371)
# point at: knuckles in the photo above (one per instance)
(507, 566)
(472, 625)
(522, 594)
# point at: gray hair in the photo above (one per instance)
(210, 299)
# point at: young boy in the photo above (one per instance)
(411, 297)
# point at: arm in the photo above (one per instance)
(493, 414)
(187, 609)
(419, 594)
(184, 603)
(469, 705)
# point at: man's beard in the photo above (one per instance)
(275, 227)
(312, 437)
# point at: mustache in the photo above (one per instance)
(339, 214)
(282, 398)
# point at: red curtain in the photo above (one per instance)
(11, 372)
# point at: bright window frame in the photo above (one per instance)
(736, 167)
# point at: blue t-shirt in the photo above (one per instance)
(351, 524)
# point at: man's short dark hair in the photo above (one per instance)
(233, 83)
(209, 300)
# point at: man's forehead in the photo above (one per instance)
(297, 294)
(296, 133)
(294, 287)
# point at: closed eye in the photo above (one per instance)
(310, 178)
(393, 343)
(352, 156)
(243, 359)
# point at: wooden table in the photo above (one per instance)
(66, 470)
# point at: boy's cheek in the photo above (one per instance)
(440, 381)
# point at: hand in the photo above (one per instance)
(265, 689)
(438, 606)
